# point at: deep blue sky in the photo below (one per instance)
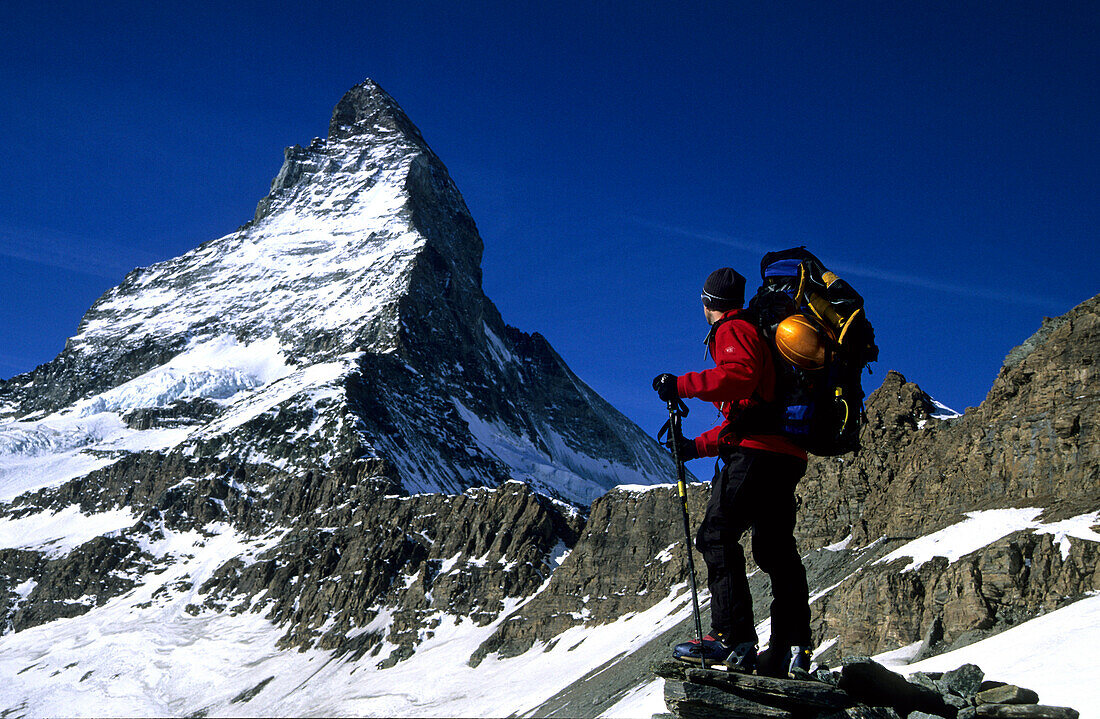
(942, 156)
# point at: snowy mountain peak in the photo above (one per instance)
(319, 417)
(367, 108)
(332, 250)
(356, 285)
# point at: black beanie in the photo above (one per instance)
(724, 290)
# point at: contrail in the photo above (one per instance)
(874, 273)
(97, 258)
(746, 245)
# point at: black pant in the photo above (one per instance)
(755, 489)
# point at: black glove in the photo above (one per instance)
(685, 448)
(665, 384)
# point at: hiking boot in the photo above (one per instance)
(800, 660)
(739, 657)
(784, 662)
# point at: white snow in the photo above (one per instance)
(218, 368)
(1079, 527)
(943, 411)
(665, 555)
(562, 472)
(122, 659)
(321, 378)
(642, 487)
(899, 657)
(58, 533)
(51, 451)
(1055, 655)
(982, 528)
(91, 435)
(333, 254)
(643, 701)
(839, 546)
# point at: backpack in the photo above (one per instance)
(820, 409)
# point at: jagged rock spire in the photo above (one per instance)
(368, 107)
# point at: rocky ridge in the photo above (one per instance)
(1033, 443)
(915, 475)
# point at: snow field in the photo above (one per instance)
(248, 379)
(218, 368)
(128, 658)
(51, 451)
(145, 655)
(981, 529)
(58, 533)
(1054, 654)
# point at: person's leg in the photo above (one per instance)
(775, 551)
(718, 541)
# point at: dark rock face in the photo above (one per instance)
(413, 557)
(628, 556)
(1004, 584)
(85, 578)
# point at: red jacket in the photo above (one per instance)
(743, 368)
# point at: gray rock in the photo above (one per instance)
(689, 700)
(924, 680)
(965, 681)
(863, 712)
(1024, 711)
(871, 683)
(790, 694)
(915, 474)
(1006, 694)
(956, 701)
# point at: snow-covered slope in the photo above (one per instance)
(153, 651)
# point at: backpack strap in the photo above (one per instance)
(713, 333)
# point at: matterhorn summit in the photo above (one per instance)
(343, 326)
(314, 433)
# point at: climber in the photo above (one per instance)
(754, 489)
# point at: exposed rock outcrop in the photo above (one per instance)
(916, 474)
(1036, 438)
(862, 689)
(1034, 442)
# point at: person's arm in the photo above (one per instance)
(739, 365)
(706, 444)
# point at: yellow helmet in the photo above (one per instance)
(800, 342)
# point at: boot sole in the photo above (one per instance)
(714, 665)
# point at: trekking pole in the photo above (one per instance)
(677, 410)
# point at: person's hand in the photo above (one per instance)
(685, 448)
(665, 384)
